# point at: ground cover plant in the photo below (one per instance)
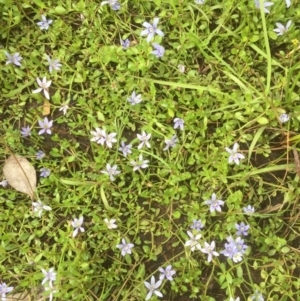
(164, 137)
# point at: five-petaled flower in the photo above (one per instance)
(152, 287)
(111, 224)
(44, 86)
(13, 58)
(193, 243)
(170, 142)
(167, 272)
(40, 155)
(4, 289)
(77, 225)
(197, 225)
(249, 209)
(44, 24)
(64, 107)
(178, 123)
(283, 118)
(234, 155)
(25, 131)
(46, 126)
(144, 138)
(214, 204)
(125, 149)
(134, 99)
(111, 171)
(151, 30)
(53, 64)
(125, 247)
(265, 5)
(45, 172)
(159, 50)
(141, 163)
(39, 207)
(242, 229)
(281, 29)
(209, 250)
(49, 276)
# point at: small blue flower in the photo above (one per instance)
(45, 172)
(170, 142)
(178, 123)
(125, 44)
(25, 132)
(242, 229)
(44, 24)
(114, 4)
(13, 59)
(265, 5)
(40, 155)
(134, 99)
(159, 50)
(125, 247)
(125, 149)
(151, 30)
(45, 125)
(53, 64)
(197, 225)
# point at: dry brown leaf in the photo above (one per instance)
(46, 108)
(26, 296)
(20, 174)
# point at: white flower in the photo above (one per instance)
(76, 224)
(4, 289)
(13, 59)
(114, 4)
(214, 204)
(44, 85)
(249, 210)
(193, 242)
(283, 118)
(110, 139)
(181, 68)
(281, 29)
(265, 5)
(234, 155)
(144, 138)
(52, 291)
(199, 1)
(99, 136)
(152, 286)
(125, 247)
(39, 207)
(64, 107)
(53, 64)
(141, 163)
(110, 223)
(111, 171)
(288, 3)
(209, 250)
(49, 276)
(44, 24)
(135, 99)
(4, 183)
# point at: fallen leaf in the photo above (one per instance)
(46, 108)
(20, 174)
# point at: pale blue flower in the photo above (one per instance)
(125, 149)
(197, 225)
(214, 204)
(234, 155)
(125, 247)
(209, 250)
(45, 172)
(45, 125)
(125, 44)
(257, 296)
(40, 155)
(283, 118)
(178, 123)
(265, 5)
(114, 4)
(13, 58)
(49, 276)
(168, 273)
(4, 289)
(25, 131)
(44, 24)
(152, 287)
(249, 210)
(4, 183)
(159, 50)
(170, 142)
(53, 64)
(242, 229)
(151, 30)
(111, 171)
(134, 99)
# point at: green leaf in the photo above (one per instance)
(285, 250)
(262, 120)
(39, 3)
